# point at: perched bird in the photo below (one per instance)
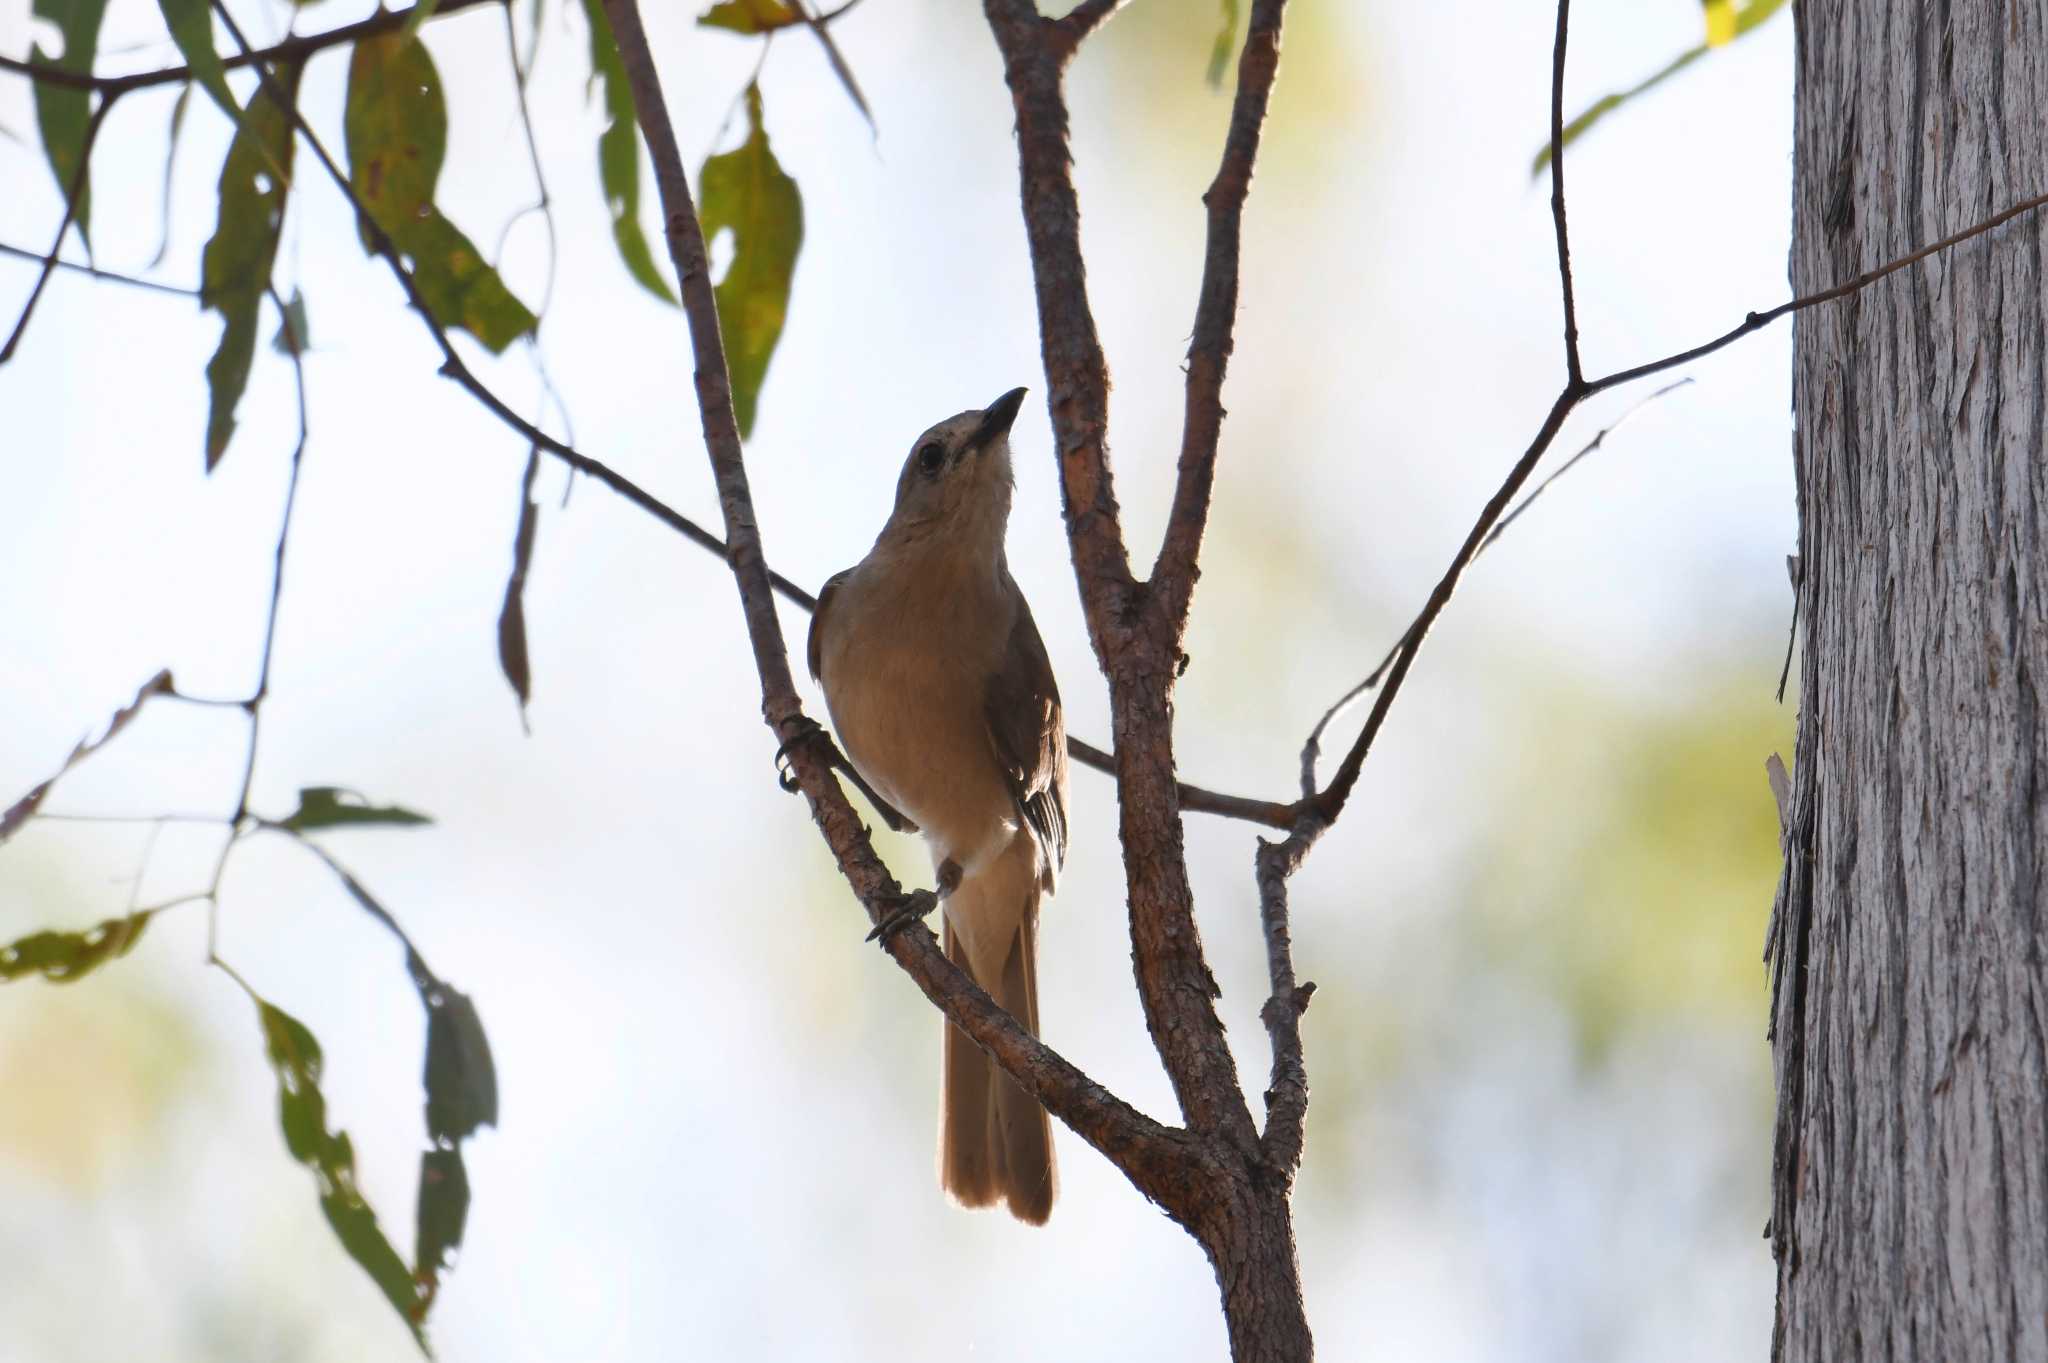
(944, 701)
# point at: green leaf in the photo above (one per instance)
(302, 1114)
(618, 156)
(746, 193)
(512, 614)
(1219, 55)
(396, 125)
(461, 1079)
(443, 1209)
(63, 113)
(294, 337)
(750, 16)
(235, 272)
(65, 956)
(191, 26)
(332, 807)
(1747, 19)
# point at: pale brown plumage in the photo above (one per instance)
(944, 700)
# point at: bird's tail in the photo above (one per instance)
(995, 1141)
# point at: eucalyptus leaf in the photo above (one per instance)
(395, 122)
(1747, 19)
(65, 956)
(235, 271)
(302, 1115)
(333, 807)
(63, 112)
(618, 156)
(745, 192)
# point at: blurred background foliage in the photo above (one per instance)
(1541, 1099)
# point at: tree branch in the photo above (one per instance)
(1070, 30)
(110, 276)
(1137, 653)
(1174, 574)
(1574, 375)
(1161, 1162)
(79, 179)
(291, 49)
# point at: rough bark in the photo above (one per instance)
(1910, 1215)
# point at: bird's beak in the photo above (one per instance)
(997, 419)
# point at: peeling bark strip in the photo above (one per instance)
(1911, 1020)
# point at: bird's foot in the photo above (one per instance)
(909, 908)
(808, 731)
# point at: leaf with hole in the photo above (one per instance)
(235, 271)
(65, 956)
(1745, 20)
(302, 1114)
(618, 156)
(333, 807)
(63, 112)
(395, 123)
(745, 192)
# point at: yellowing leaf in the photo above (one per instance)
(1720, 22)
(745, 192)
(750, 16)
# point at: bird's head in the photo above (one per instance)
(958, 475)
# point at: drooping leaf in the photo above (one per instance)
(396, 125)
(191, 26)
(19, 813)
(183, 102)
(750, 16)
(235, 272)
(461, 1079)
(512, 615)
(833, 57)
(746, 193)
(333, 807)
(294, 336)
(1746, 20)
(62, 112)
(302, 1114)
(65, 956)
(618, 156)
(1226, 38)
(441, 1214)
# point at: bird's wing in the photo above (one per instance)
(815, 645)
(1029, 735)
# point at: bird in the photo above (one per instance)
(942, 695)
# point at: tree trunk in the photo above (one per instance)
(1910, 1199)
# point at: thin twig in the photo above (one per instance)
(1574, 375)
(79, 179)
(291, 49)
(110, 276)
(1214, 334)
(1311, 750)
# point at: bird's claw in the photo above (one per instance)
(910, 908)
(808, 731)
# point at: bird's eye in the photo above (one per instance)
(931, 457)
